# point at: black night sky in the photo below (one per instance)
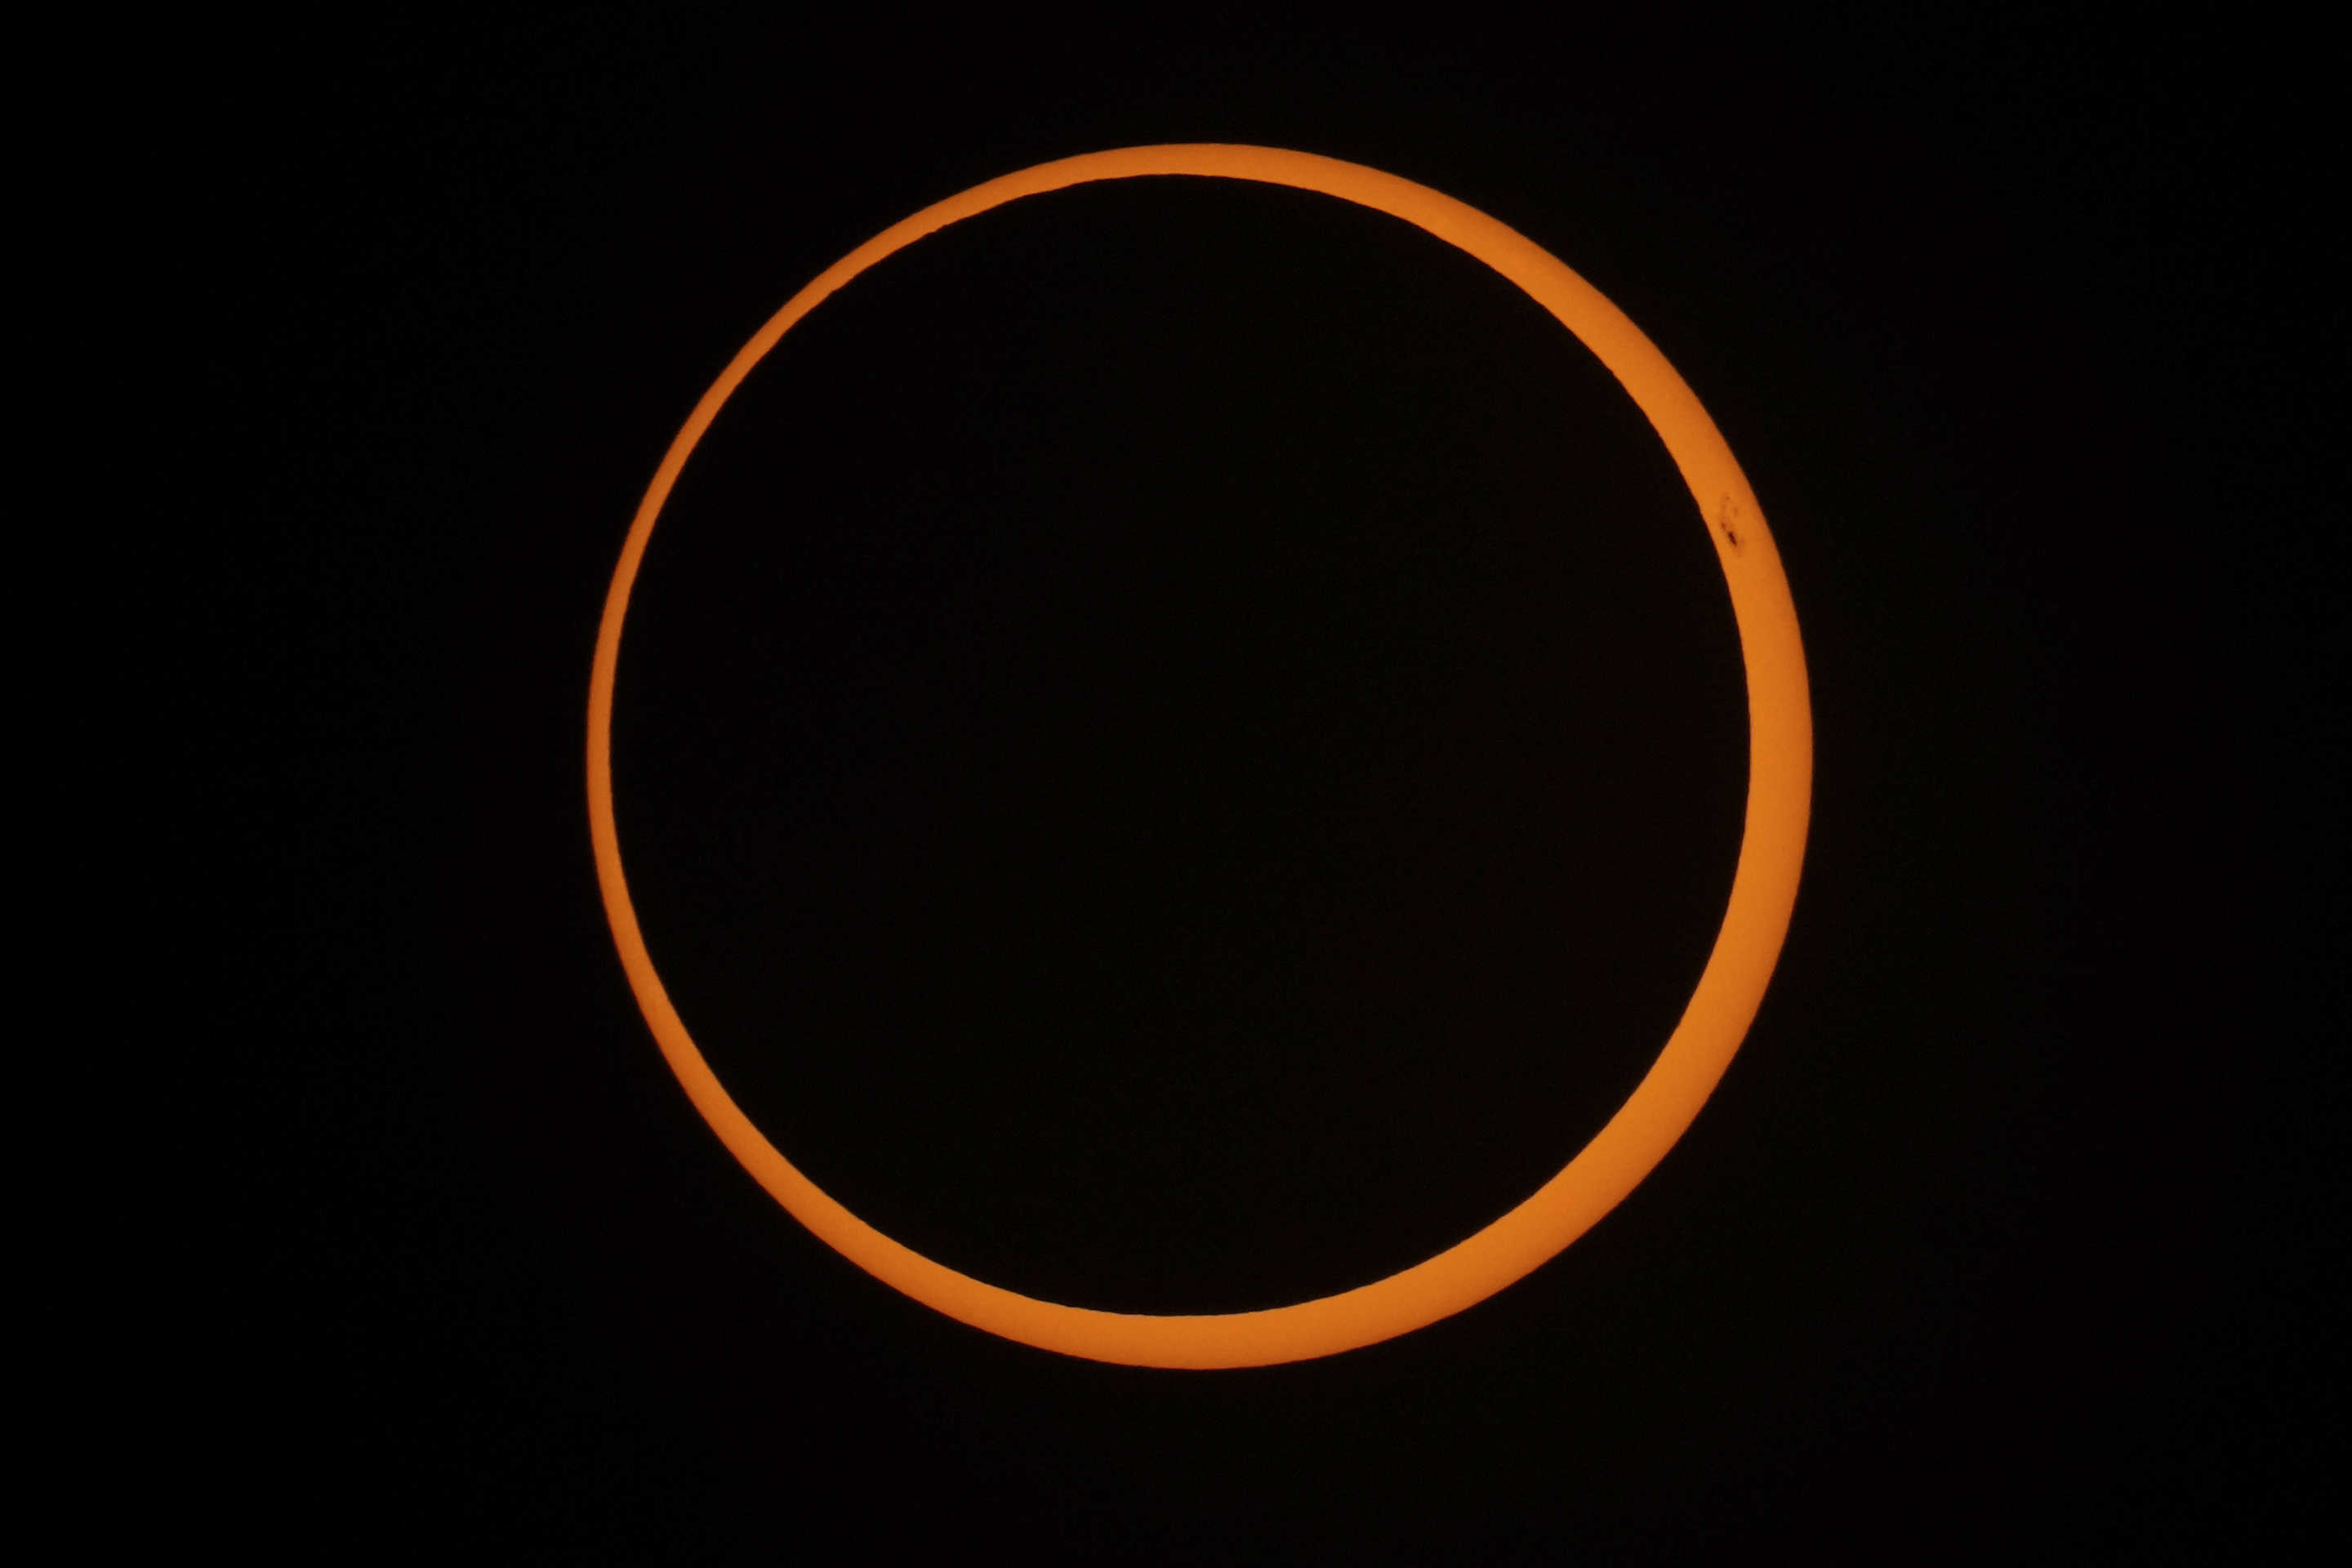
(1181, 747)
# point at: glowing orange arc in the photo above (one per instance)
(1763, 889)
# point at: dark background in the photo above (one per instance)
(1183, 688)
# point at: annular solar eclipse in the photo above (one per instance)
(1713, 1024)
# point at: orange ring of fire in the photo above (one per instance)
(1756, 921)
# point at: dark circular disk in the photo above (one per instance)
(1179, 746)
